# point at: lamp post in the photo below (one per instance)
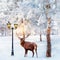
(11, 27)
(12, 52)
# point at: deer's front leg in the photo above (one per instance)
(25, 52)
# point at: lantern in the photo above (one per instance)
(9, 25)
(15, 26)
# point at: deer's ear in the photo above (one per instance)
(19, 37)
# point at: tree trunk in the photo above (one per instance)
(40, 38)
(48, 52)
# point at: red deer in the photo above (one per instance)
(28, 46)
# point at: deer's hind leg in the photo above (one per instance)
(25, 52)
(33, 53)
(36, 51)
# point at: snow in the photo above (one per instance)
(5, 48)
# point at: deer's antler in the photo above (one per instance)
(27, 35)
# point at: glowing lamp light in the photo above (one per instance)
(15, 25)
(9, 25)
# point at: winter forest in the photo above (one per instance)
(29, 29)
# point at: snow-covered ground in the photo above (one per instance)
(5, 48)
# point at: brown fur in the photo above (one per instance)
(28, 46)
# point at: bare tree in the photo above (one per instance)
(47, 10)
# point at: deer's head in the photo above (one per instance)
(21, 39)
